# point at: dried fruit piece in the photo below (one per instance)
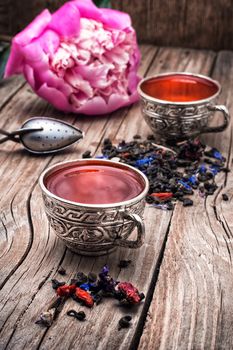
(84, 297)
(66, 290)
(128, 293)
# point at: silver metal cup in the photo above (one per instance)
(178, 121)
(95, 229)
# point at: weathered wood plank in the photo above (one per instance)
(46, 252)
(8, 88)
(191, 307)
(5, 22)
(178, 23)
(23, 105)
(23, 242)
(195, 24)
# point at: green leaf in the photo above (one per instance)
(4, 54)
(103, 3)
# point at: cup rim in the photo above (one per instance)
(189, 103)
(60, 165)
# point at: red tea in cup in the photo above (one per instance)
(179, 88)
(94, 205)
(95, 183)
(179, 106)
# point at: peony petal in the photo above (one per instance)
(95, 106)
(87, 9)
(112, 18)
(38, 60)
(29, 75)
(66, 20)
(119, 56)
(15, 61)
(115, 19)
(55, 97)
(133, 81)
(98, 106)
(96, 74)
(79, 84)
(61, 61)
(52, 80)
(49, 41)
(34, 29)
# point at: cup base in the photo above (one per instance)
(92, 252)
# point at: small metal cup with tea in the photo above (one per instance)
(94, 205)
(179, 106)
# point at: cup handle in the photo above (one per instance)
(140, 232)
(226, 115)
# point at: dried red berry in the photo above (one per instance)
(129, 292)
(162, 195)
(66, 290)
(84, 296)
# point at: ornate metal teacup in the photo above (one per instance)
(95, 229)
(179, 106)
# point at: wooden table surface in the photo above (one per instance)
(184, 268)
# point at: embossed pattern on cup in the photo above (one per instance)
(179, 121)
(95, 229)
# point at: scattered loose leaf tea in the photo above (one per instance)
(124, 263)
(46, 318)
(56, 284)
(90, 289)
(124, 322)
(225, 197)
(78, 315)
(172, 173)
(62, 271)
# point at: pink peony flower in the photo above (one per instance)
(81, 59)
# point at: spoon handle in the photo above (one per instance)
(8, 136)
(11, 135)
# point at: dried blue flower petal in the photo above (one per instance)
(105, 270)
(85, 286)
(193, 180)
(214, 169)
(106, 282)
(162, 206)
(101, 157)
(141, 162)
(202, 169)
(214, 153)
(185, 185)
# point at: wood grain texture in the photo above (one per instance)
(31, 254)
(5, 16)
(191, 307)
(195, 24)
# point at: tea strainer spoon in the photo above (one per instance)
(42, 135)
